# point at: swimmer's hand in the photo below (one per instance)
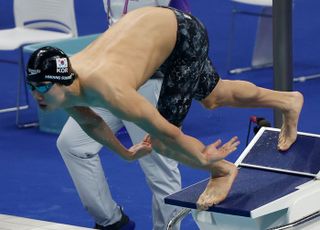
(216, 152)
(141, 149)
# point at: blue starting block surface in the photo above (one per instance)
(303, 156)
(255, 187)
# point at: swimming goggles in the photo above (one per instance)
(40, 88)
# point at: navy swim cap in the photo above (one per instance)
(50, 64)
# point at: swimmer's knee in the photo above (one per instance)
(63, 144)
(59, 141)
(209, 104)
(70, 148)
(216, 98)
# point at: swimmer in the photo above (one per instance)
(164, 43)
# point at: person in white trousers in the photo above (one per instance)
(80, 154)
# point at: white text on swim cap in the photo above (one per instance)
(59, 78)
(62, 70)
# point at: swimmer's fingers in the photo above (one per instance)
(216, 144)
(141, 146)
(229, 147)
(233, 142)
(212, 152)
(147, 139)
(216, 153)
(139, 150)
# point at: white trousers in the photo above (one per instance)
(80, 154)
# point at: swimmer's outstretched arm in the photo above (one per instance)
(129, 105)
(97, 129)
(215, 150)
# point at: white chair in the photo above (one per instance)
(116, 8)
(36, 21)
(262, 53)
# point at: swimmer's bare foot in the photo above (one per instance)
(288, 134)
(223, 175)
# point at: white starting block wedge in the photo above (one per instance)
(8, 222)
(273, 190)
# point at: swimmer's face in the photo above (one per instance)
(48, 95)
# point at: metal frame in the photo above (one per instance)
(297, 222)
(179, 216)
(18, 106)
(22, 83)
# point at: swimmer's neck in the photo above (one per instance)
(75, 95)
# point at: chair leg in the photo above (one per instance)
(258, 60)
(305, 78)
(12, 109)
(15, 108)
(249, 68)
(263, 52)
(21, 81)
(231, 40)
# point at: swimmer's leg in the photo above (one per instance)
(246, 94)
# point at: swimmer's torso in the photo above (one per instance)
(130, 51)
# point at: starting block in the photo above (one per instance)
(273, 190)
